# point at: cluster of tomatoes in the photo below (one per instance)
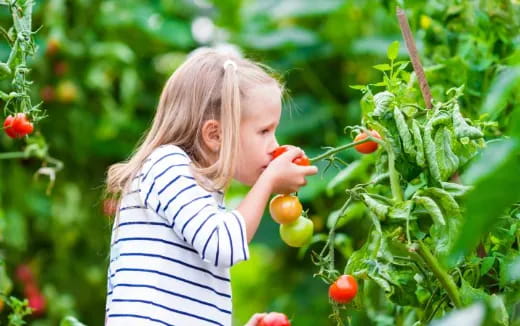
(18, 125)
(31, 290)
(295, 230)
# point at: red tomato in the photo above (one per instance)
(23, 127)
(17, 126)
(302, 160)
(61, 68)
(344, 289)
(36, 299)
(25, 274)
(298, 233)
(278, 151)
(285, 208)
(47, 93)
(275, 319)
(369, 146)
(8, 127)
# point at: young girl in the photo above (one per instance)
(173, 241)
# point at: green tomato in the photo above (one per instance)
(297, 233)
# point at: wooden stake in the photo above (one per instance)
(416, 62)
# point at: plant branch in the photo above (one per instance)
(444, 278)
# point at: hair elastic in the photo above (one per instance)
(230, 62)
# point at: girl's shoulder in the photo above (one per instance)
(166, 156)
(169, 151)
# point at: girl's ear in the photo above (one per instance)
(211, 135)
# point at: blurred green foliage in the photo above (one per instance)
(101, 65)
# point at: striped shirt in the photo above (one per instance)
(172, 246)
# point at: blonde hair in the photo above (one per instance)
(206, 86)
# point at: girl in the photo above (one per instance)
(173, 240)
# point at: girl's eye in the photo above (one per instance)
(265, 131)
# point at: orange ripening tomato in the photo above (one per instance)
(344, 289)
(369, 146)
(285, 208)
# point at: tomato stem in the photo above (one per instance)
(339, 149)
(397, 192)
(12, 155)
(444, 278)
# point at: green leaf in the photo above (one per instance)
(469, 294)
(354, 210)
(71, 321)
(280, 38)
(401, 211)
(492, 172)
(472, 315)
(507, 82)
(487, 264)
(510, 269)
(355, 169)
(393, 50)
(359, 87)
(432, 208)
(6, 285)
(382, 67)
(382, 83)
(305, 8)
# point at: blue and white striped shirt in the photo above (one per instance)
(172, 246)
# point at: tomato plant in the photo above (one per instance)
(344, 289)
(297, 233)
(413, 202)
(274, 319)
(285, 208)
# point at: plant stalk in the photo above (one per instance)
(444, 278)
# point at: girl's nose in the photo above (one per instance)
(274, 145)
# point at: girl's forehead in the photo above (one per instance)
(263, 102)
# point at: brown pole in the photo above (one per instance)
(416, 62)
